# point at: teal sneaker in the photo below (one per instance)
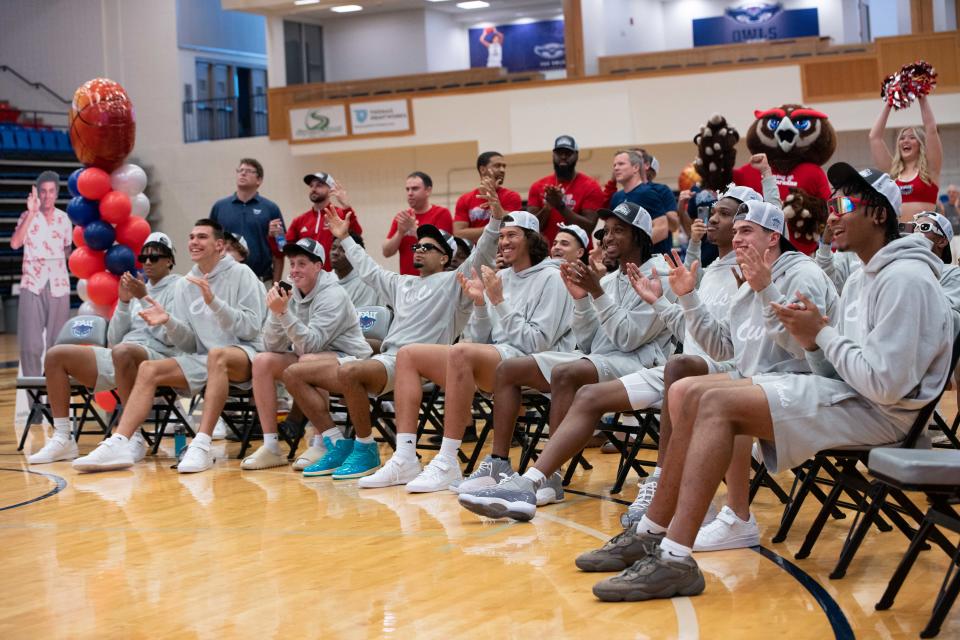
(364, 460)
(336, 454)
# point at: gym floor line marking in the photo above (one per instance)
(59, 485)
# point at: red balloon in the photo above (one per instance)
(102, 127)
(84, 262)
(78, 240)
(115, 207)
(102, 288)
(133, 232)
(106, 400)
(93, 183)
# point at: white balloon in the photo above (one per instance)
(128, 178)
(82, 290)
(87, 309)
(140, 205)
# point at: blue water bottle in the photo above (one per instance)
(179, 440)
(282, 238)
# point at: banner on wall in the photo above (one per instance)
(386, 116)
(750, 21)
(535, 46)
(317, 123)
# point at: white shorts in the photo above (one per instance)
(644, 388)
(106, 376)
(390, 364)
(811, 413)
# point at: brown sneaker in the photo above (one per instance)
(621, 551)
(656, 576)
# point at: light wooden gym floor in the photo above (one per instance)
(231, 554)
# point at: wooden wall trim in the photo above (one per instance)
(573, 38)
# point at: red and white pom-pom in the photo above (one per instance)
(900, 89)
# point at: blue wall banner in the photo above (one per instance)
(536, 46)
(755, 21)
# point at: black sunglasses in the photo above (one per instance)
(420, 246)
(150, 257)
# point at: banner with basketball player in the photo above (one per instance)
(535, 46)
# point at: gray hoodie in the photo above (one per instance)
(359, 292)
(322, 320)
(126, 325)
(751, 335)
(535, 313)
(717, 289)
(234, 317)
(620, 325)
(896, 364)
(431, 309)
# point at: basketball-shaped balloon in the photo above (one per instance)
(688, 177)
(102, 127)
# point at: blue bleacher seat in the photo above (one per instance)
(7, 140)
(36, 141)
(23, 141)
(49, 139)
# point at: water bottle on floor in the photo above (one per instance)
(179, 441)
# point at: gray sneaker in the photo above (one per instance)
(515, 497)
(639, 507)
(488, 474)
(621, 551)
(550, 491)
(656, 576)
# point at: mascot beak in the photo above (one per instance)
(786, 135)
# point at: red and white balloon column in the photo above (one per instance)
(108, 208)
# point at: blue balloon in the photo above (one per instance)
(99, 235)
(120, 260)
(72, 183)
(82, 211)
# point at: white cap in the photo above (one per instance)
(522, 219)
(631, 213)
(577, 231)
(741, 194)
(767, 216)
(654, 164)
(160, 238)
(941, 221)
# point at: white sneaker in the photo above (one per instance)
(198, 457)
(727, 531)
(394, 472)
(263, 458)
(59, 447)
(112, 453)
(219, 430)
(138, 447)
(308, 457)
(436, 476)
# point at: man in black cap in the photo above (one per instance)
(310, 224)
(565, 196)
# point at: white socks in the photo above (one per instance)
(646, 525)
(201, 438)
(449, 447)
(534, 475)
(120, 437)
(656, 473)
(406, 447)
(272, 442)
(61, 428)
(674, 550)
(316, 441)
(334, 434)
(367, 440)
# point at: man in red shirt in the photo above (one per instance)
(403, 231)
(472, 211)
(565, 196)
(311, 224)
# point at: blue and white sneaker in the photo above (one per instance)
(335, 456)
(362, 461)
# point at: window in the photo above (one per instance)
(303, 49)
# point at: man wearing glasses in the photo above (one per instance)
(102, 369)
(254, 218)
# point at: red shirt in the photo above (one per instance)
(583, 192)
(917, 190)
(312, 225)
(437, 216)
(472, 208)
(806, 175)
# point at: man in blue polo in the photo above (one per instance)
(252, 217)
(629, 171)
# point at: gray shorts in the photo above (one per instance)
(644, 384)
(811, 413)
(194, 368)
(608, 368)
(508, 351)
(106, 376)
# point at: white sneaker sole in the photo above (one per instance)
(422, 488)
(63, 458)
(477, 484)
(89, 467)
(548, 496)
(737, 542)
(498, 507)
(369, 482)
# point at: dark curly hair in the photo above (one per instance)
(875, 204)
(536, 246)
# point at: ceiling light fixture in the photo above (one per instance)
(473, 4)
(300, 3)
(346, 8)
